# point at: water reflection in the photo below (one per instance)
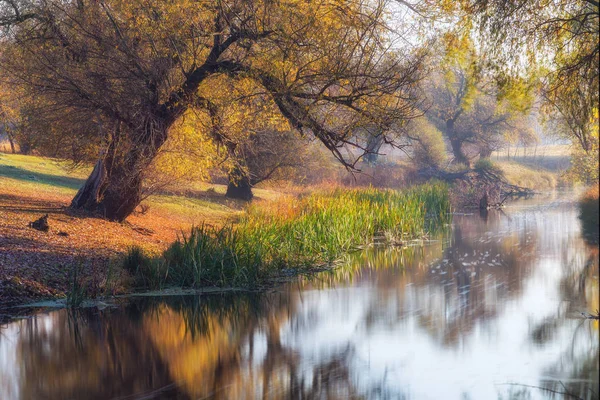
(492, 310)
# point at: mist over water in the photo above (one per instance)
(490, 310)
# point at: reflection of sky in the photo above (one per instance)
(9, 367)
(398, 354)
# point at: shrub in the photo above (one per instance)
(485, 164)
(429, 149)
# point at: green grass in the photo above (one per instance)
(40, 172)
(300, 234)
(39, 176)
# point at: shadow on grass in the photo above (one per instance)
(28, 205)
(209, 196)
(24, 175)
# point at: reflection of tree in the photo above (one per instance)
(579, 284)
(483, 265)
(236, 352)
(581, 375)
(219, 347)
(578, 365)
(91, 356)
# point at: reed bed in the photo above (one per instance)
(295, 235)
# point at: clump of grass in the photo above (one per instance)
(216, 256)
(299, 234)
(485, 164)
(78, 291)
(134, 259)
(147, 272)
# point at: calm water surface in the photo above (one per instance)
(491, 311)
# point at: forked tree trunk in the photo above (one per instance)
(457, 151)
(456, 144)
(239, 186)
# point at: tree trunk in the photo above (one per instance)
(456, 144)
(11, 141)
(114, 195)
(374, 143)
(459, 156)
(25, 148)
(239, 186)
(114, 188)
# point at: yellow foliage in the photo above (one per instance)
(189, 153)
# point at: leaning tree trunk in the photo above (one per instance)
(114, 188)
(111, 193)
(239, 186)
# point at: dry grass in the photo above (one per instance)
(528, 176)
(549, 158)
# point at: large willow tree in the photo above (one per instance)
(127, 70)
(562, 38)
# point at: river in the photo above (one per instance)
(489, 310)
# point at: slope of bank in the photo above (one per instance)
(81, 251)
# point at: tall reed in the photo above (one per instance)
(302, 233)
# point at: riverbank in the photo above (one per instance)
(37, 265)
(281, 232)
(292, 236)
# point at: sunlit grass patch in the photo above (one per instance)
(301, 233)
(528, 176)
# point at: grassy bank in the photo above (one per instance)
(278, 234)
(293, 235)
(38, 265)
(540, 169)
